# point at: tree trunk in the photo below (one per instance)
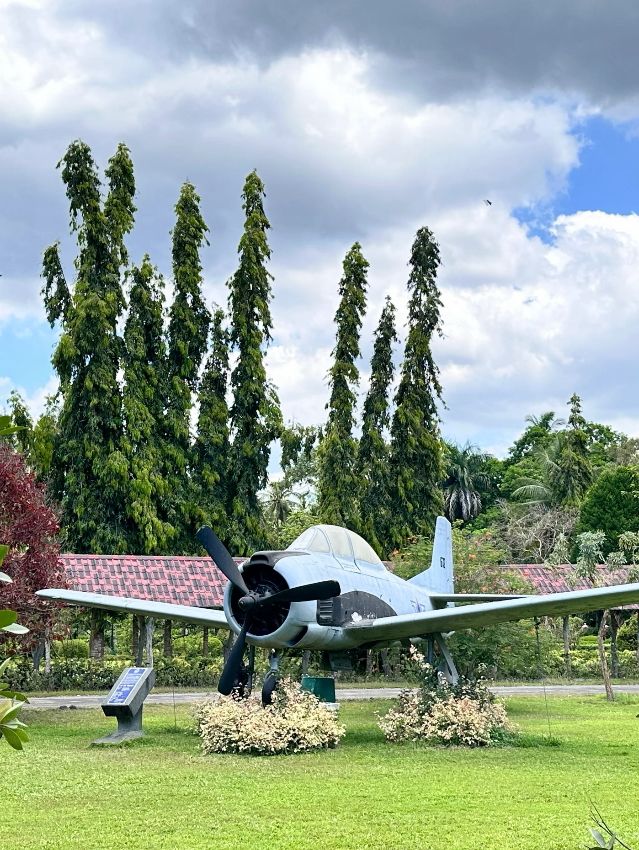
(388, 672)
(637, 651)
(370, 657)
(96, 639)
(566, 634)
(602, 656)
(47, 649)
(167, 639)
(36, 653)
(614, 655)
(205, 642)
(306, 657)
(148, 633)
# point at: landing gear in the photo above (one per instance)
(442, 659)
(270, 680)
(245, 676)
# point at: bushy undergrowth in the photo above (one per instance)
(295, 722)
(86, 674)
(465, 714)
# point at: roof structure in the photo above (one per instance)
(561, 578)
(187, 580)
(179, 579)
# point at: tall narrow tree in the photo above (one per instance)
(338, 479)
(373, 450)
(211, 451)
(189, 321)
(416, 456)
(144, 396)
(90, 468)
(255, 413)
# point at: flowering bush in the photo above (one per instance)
(465, 714)
(295, 722)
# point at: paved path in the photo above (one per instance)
(342, 694)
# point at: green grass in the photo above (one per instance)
(162, 794)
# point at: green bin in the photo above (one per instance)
(322, 686)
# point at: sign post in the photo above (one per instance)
(125, 702)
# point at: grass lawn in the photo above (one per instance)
(162, 794)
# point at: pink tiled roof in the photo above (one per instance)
(179, 579)
(560, 579)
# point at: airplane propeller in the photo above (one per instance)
(251, 601)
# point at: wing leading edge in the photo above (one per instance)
(128, 605)
(486, 614)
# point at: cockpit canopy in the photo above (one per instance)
(339, 541)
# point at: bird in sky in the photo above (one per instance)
(486, 201)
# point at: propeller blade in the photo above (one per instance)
(220, 554)
(233, 663)
(304, 593)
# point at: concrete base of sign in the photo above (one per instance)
(116, 738)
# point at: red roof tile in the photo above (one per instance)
(180, 579)
(560, 579)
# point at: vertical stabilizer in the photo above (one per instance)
(439, 576)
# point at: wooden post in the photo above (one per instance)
(149, 627)
(167, 639)
(135, 636)
(566, 633)
(370, 657)
(139, 647)
(306, 657)
(47, 649)
(205, 641)
(388, 672)
(96, 639)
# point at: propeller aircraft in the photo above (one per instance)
(329, 591)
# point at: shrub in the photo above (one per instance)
(465, 714)
(295, 722)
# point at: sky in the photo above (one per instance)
(366, 120)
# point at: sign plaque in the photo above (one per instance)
(126, 701)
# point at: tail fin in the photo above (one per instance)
(439, 577)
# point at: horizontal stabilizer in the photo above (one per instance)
(145, 607)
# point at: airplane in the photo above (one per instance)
(329, 591)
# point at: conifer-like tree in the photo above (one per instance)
(89, 467)
(22, 439)
(211, 451)
(144, 400)
(189, 321)
(338, 478)
(255, 413)
(416, 454)
(373, 454)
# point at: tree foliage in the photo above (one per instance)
(416, 457)
(255, 418)
(338, 480)
(89, 469)
(373, 455)
(211, 450)
(612, 504)
(144, 398)
(465, 477)
(189, 321)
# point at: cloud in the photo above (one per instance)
(363, 127)
(433, 49)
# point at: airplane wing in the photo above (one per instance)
(187, 613)
(488, 613)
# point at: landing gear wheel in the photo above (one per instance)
(270, 683)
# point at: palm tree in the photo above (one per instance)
(465, 476)
(565, 473)
(277, 502)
